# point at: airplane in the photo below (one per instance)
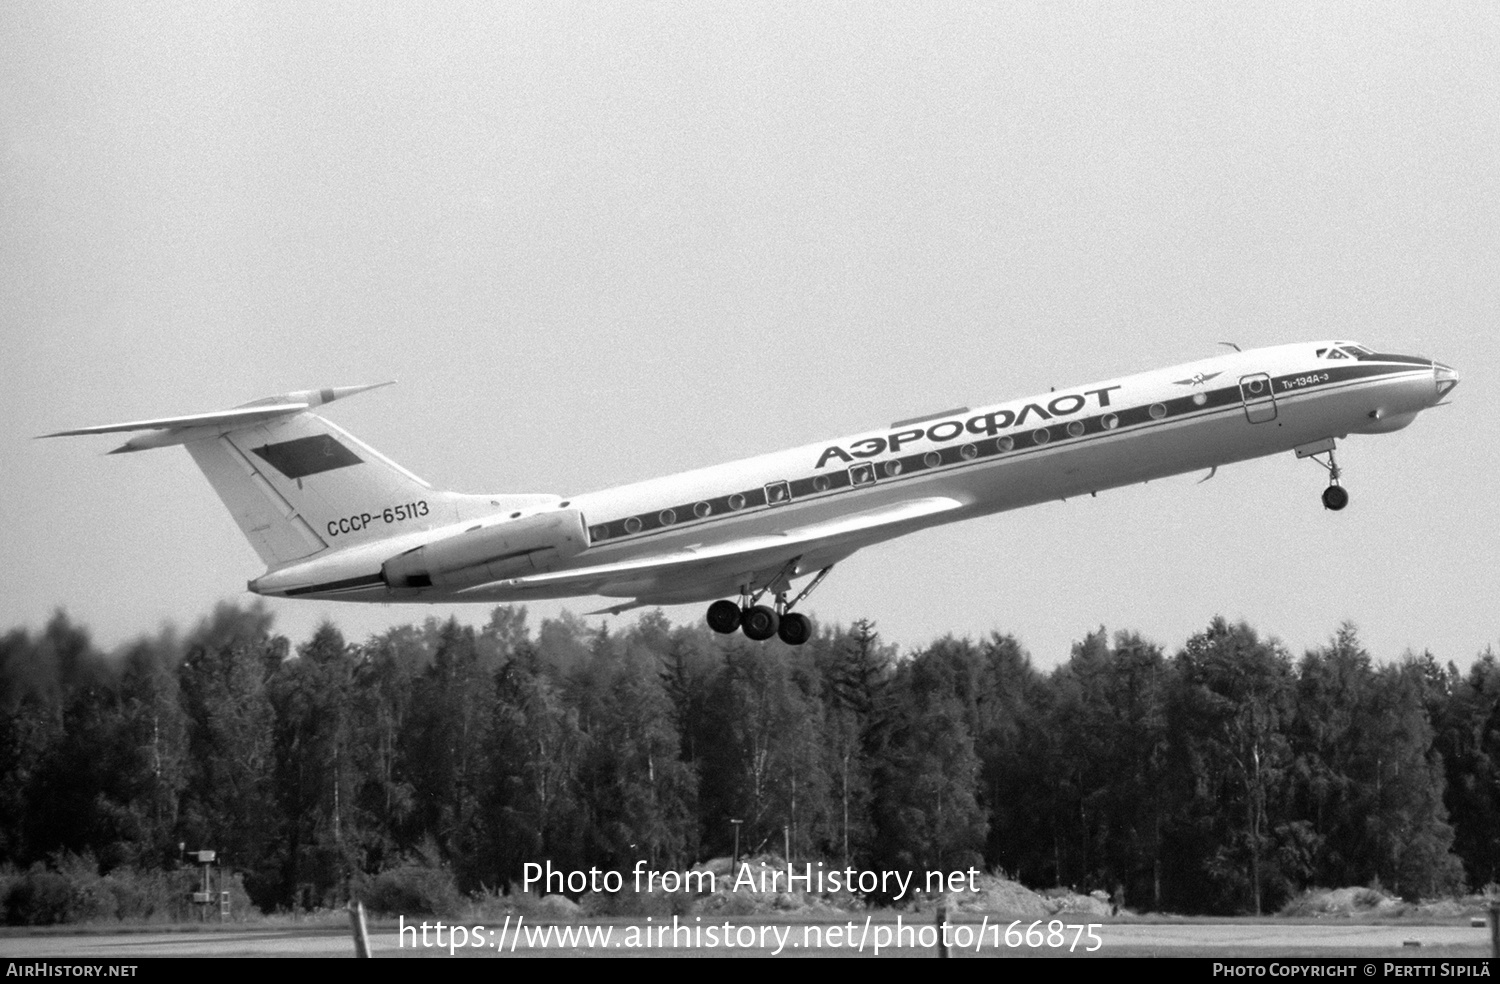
(334, 519)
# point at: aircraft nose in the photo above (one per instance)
(1445, 378)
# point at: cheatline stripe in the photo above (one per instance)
(347, 584)
(1411, 360)
(912, 465)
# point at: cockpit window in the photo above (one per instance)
(1345, 351)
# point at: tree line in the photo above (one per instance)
(1225, 778)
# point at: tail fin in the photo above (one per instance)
(296, 484)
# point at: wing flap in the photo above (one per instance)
(747, 554)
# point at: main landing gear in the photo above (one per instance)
(761, 622)
(1335, 497)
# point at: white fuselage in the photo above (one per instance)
(1069, 442)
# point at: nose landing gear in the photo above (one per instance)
(761, 622)
(1335, 497)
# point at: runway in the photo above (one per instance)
(882, 936)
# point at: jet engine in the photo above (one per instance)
(508, 548)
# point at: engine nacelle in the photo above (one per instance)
(508, 548)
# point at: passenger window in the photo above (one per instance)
(778, 493)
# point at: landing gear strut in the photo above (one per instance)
(761, 622)
(1335, 497)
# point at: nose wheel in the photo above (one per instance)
(761, 622)
(1335, 497)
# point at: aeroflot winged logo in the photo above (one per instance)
(1196, 379)
(988, 424)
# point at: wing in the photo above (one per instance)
(695, 573)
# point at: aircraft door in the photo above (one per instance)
(1260, 402)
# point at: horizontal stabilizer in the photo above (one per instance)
(244, 415)
(167, 431)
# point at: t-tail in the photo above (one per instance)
(299, 486)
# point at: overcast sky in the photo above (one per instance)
(597, 243)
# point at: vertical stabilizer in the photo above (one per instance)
(272, 524)
(298, 485)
